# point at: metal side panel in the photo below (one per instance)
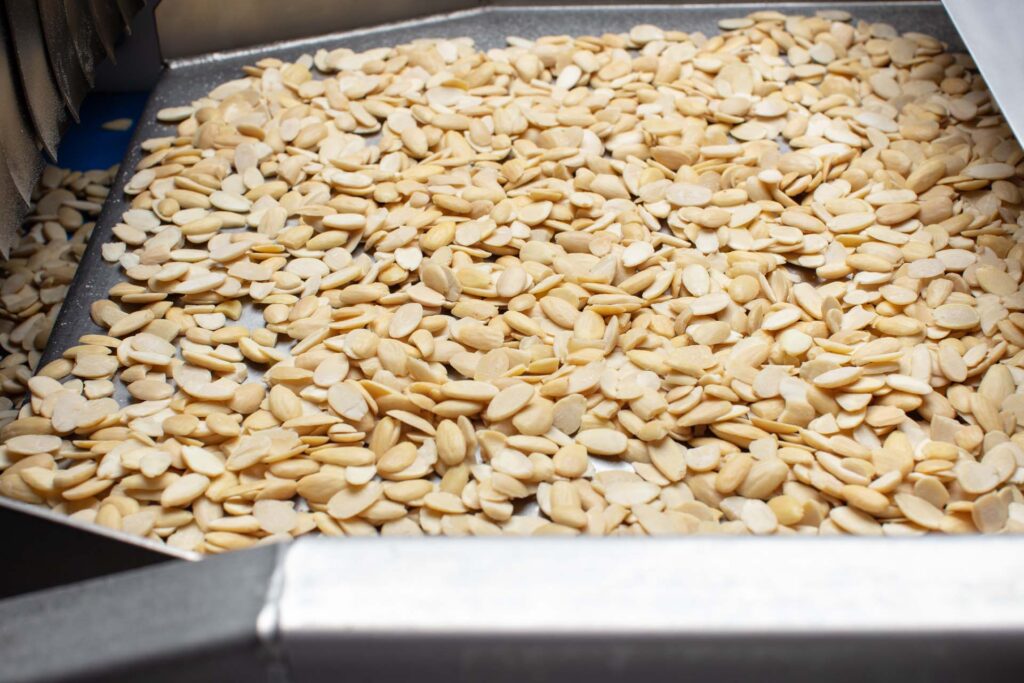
(176, 622)
(34, 537)
(193, 27)
(67, 70)
(991, 30)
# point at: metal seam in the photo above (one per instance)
(268, 621)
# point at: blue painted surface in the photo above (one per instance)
(87, 145)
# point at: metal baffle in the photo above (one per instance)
(48, 52)
(43, 99)
(991, 30)
(707, 609)
(627, 609)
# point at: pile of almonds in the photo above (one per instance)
(35, 276)
(644, 283)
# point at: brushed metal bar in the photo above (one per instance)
(67, 71)
(650, 609)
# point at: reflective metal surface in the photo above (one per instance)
(539, 610)
(48, 56)
(689, 587)
(992, 32)
(734, 609)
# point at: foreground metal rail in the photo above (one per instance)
(836, 609)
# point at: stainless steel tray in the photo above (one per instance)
(188, 79)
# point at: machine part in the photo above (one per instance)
(46, 70)
(165, 623)
(128, 8)
(84, 37)
(990, 34)
(67, 70)
(106, 18)
(726, 608)
(11, 210)
(937, 608)
(193, 27)
(42, 97)
(17, 142)
(31, 540)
